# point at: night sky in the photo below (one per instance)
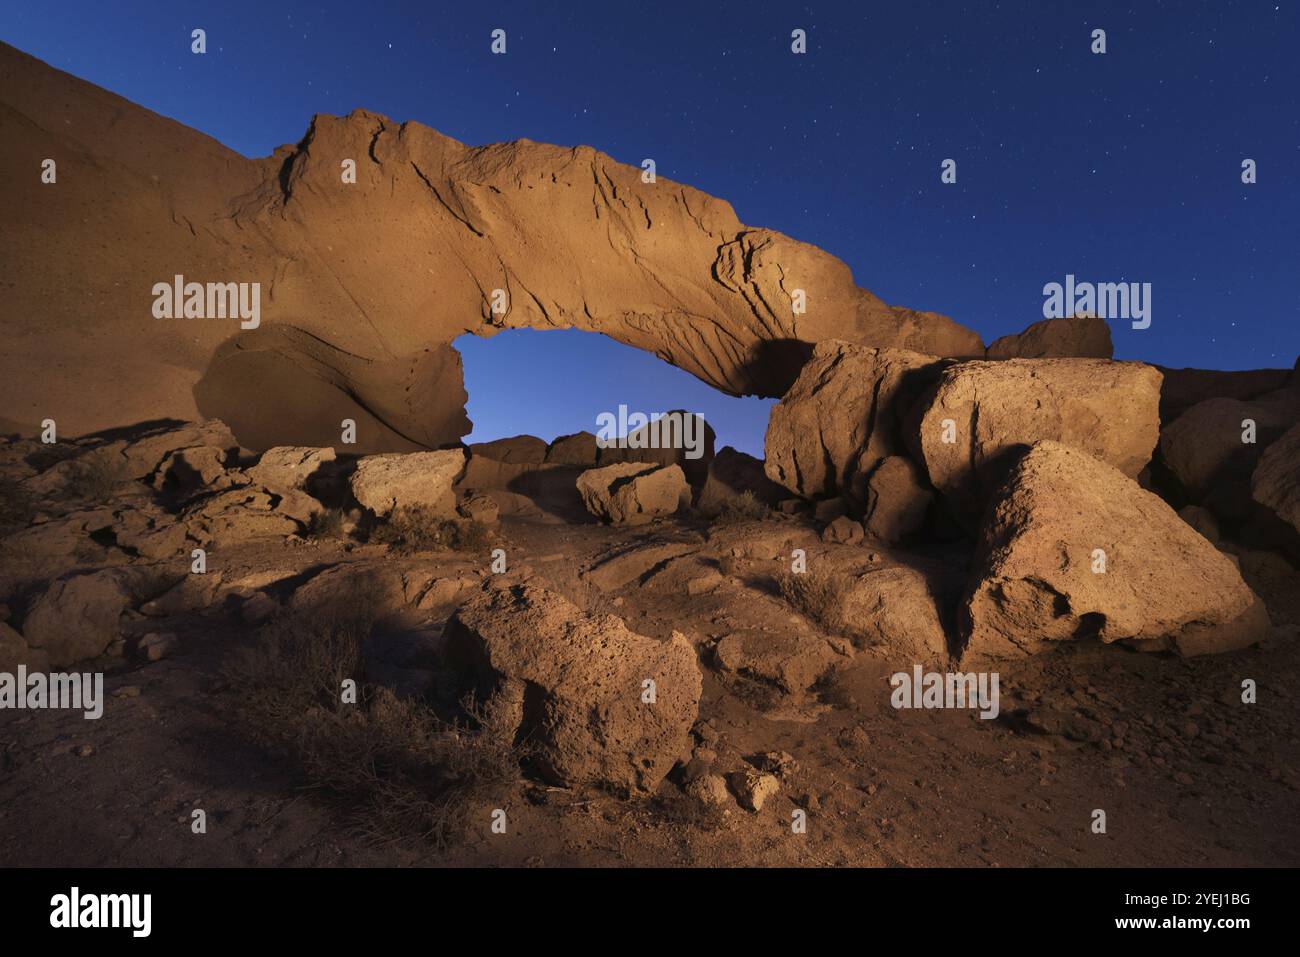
(1117, 167)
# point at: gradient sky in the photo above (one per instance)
(1119, 167)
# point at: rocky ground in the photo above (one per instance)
(768, 703)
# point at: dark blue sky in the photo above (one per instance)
(1119, 167)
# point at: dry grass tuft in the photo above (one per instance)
(395, 767)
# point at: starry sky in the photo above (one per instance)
(1119, 167)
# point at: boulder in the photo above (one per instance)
(576, 449)
(731, 475)
(78, 617)
(896, 612)
(185, 471)
(791, 662)
(1075, 549)
(238, 515)
(382, 483)
(1078, 337)
(516, 450)
(979, 416)
(289, 466)
(1184, 388)
(574, 686)
(15, 651)
(1276, 480)
(633, 493)
(898, 500)
(843, 531)
(1201, 519)
(1206, 449)
(843, 416)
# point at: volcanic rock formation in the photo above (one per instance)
(363, 285)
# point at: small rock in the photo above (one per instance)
(709, 789)
(754, 788)
(157, 645)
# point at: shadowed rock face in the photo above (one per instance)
(365, 284)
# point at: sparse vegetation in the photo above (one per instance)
(391, 763)
(819, 595)
(419, 528)
(327, 523)
(745, 507)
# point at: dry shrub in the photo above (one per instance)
(327, 523)
(745, 507)
(820, 595)
(419, 528)
(390, 763)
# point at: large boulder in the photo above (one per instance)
(1276, 480)
(633, 493)
(1212, 448)
(575, 686)
(516, 450)
(289, 467)
(1078, 337)
(78, 617)
(897, 612)
(382, 483)
(1075, 549)
(898, 499)
(1184, 388)
(842, 417)
(576, 449)
(979, 416)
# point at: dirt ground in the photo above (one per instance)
(1186, 773)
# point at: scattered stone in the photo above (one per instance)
(78, 617)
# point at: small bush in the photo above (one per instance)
(820, 596)
(745, 507)
(390, 763)
(327, 523)
(419, 528)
